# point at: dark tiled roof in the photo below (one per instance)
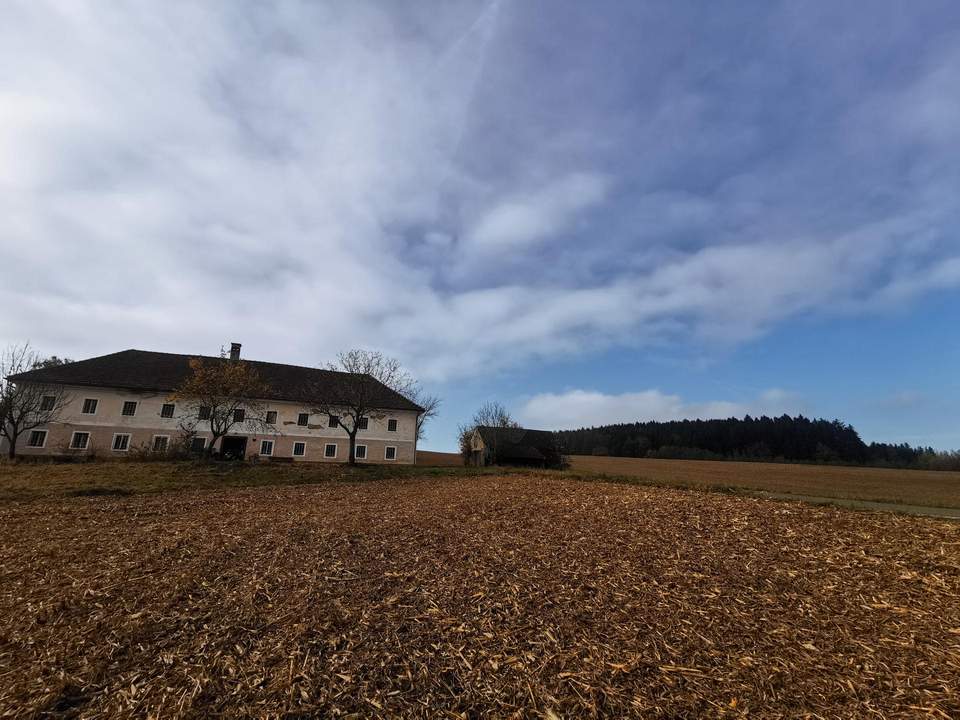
(164, 372)
(519, 443)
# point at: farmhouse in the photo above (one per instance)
(514, 446)
(121, 402)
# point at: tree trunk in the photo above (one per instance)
(353, 447)
(12, 450)
(213, 435)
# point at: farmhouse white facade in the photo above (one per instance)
(107, 420)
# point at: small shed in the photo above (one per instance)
(514, 446)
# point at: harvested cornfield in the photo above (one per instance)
(930, 488)
(522, 596)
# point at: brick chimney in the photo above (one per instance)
(234, 351)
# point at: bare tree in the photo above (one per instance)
(219, 395)
(464, 433)
(490, 414)
(430, 404)
(25, 405)
(355, 395)
(52, 361)
(493, 414)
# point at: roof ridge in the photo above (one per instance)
(217, 357)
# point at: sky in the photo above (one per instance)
(590, 212)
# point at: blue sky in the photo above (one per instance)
(588, 211)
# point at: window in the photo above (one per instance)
(390, 453)
(392, 425)
(129, 408)
(239, 415)
(299, 449)
(167, 410)
(364, 423)
(271, 417)
(266, 447)
(37, 439)
(160, 443)
(90, 406)
(121, 442)
(48, 403)
(330, 450)
(197, 445)
(303, 419)
(203, 413)
(333, 421)
(80, 440)
(360, 452)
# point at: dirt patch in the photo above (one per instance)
(99, 492)
(478, 596)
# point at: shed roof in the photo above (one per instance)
(518, 443)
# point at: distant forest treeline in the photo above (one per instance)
(779, 439)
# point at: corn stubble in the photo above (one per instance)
(491, 596)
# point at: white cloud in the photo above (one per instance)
(547, 212)
(310, 177)
(585, 408)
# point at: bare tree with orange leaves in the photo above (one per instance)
(219, 395)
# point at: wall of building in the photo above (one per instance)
(147, 423)
(478, 451)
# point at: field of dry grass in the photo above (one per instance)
(428, 458)
(24, 481)
(914, 487)
(519, 595)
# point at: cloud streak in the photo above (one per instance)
(586, 408)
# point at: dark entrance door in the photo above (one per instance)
(233, 448)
